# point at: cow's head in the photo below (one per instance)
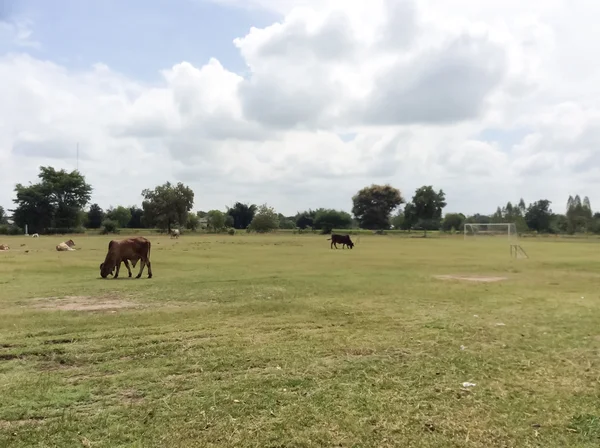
(350, 244)
(70, 243)
(105, 269)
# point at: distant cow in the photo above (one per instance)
(133, 249)
(35, 235)
(4, 247)
(67, 245)
(175, 233)
(344, 240)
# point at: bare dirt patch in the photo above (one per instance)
(81, 303)
(471, 278)
(11, 424)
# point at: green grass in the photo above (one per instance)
(278, 341)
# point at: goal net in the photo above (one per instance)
(507, 231)
(500, 232)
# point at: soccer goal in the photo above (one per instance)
(501, 231)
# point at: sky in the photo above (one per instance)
(301, 103)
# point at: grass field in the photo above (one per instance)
(278, 341)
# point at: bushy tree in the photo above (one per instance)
(110, 226)
(373, 206)
(265, 220)
(305, 219)
(216, 220)
(397, 220)
(95, 216)
(167, 205)
(328, 219)
(539, 215)
(425, 209)
(56, 201)
(121, 214)
(242, 214)
(454, 221)
(193, 222)
(137, 218)
(286, 222)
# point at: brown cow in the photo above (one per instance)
(133, 249)
(344, 240)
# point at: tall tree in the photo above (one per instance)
(373, 205)
(539, 215)
(55, 201)
(242, 214)
(579, 214)
(95, 217)
(167, 205)
(425, 209)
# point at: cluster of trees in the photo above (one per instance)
(58, 203)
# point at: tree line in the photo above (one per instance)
(60, 203)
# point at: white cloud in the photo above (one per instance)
(415, 82)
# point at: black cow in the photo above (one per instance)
(344, 240)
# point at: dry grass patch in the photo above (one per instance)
(82, 303)
(471, 278)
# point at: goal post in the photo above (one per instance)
(499, 231)
(507, 230)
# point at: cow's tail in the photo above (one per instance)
(328, 239)
(149, 246)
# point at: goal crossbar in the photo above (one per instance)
(508, 229)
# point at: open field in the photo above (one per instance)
(278, 341)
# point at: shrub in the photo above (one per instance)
(10, 229)
(231, 231)
(109, 226)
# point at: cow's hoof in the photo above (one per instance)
(149, 276)
(137, 276)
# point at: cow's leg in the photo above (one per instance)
(149, 267)
(127, 266)
(335, 245)
(142, 264)
(331, 245)
(118, 269)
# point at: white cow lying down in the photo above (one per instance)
(67, 245)
(35, 235)
(4, 247)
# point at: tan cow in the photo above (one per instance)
(4, 247)
(133, 249)
(67, 245)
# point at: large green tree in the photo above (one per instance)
(242, 214)
(3, 217)
(425, 209)
(305, 219)
(167, 205)
(373, 206)
(56, 201)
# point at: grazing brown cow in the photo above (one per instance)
(344, 240)
(133, 249)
